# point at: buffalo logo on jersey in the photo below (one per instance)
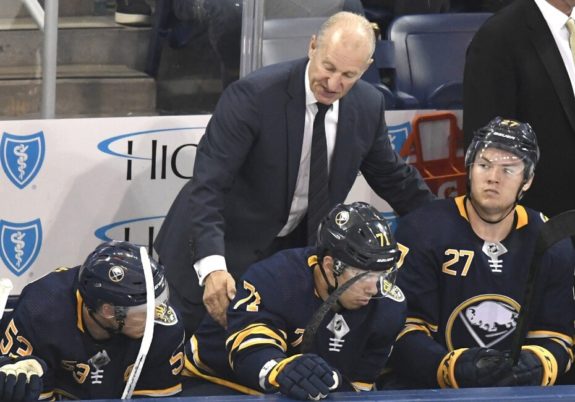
(165, 315)
(484, 320)
(116, 273)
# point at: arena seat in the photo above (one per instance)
(429, 54)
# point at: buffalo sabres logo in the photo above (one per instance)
(20, 244)
(22, 157)
(341, 218)
(165, 315)
(487, 319)
(116, 273)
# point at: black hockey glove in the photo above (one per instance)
(303, 377)
(530, 369)
(21, 378)
(475, 367)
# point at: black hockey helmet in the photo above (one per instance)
(358, 236)
(509, 135)
(113, 273)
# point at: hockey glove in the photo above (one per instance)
(536, 366)
(303, 377)
(475, 367)
(21, 378)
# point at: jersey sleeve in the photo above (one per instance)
(21, 338)
(417, 354)
(160, 374)
(256, 331)
(552, 327)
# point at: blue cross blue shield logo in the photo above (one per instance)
(20, 244)
(22, 157)
(398, 134)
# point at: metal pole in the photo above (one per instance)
(246, 65)
(49, 59)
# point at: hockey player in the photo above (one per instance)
(464, 276)
(260, 352)
(86, 322)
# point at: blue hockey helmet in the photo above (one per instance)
(509, 135)
(357, 235)
(113, 273)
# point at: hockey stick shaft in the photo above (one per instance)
(148, 329)
(555, 229)
(315, 321)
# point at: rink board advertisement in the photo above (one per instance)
(70, 184)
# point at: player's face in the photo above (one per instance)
(361, 292)
(496, 177)
(134, 323)
(334, 66)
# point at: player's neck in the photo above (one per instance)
(494, 232)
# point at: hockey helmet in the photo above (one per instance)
(113, 273)
(358, 236)
(508, 135)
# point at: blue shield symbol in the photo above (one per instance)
(398, 134)
(22, 157)
(20, 244)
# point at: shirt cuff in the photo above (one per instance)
(209, 264)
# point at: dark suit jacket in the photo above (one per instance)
(246, 168)
(514, 70)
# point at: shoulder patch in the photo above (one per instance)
(165, 315)
(395, 294)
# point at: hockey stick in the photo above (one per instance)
(148, 329)
(6, 287)
(316, 319)
(555, 229)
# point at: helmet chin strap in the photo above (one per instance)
(491, 222)
(330, 287)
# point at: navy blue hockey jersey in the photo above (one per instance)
(47, 323)
(274, 302)
(465, 292)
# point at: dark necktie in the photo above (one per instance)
(318, 195)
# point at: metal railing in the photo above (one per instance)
(47, 21)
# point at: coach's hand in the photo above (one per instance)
(305, 377)
(21, 378)
(474, 367)
(220, 288)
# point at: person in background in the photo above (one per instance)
(520, 65)
(254, 184)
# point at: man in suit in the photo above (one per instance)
(519, 65)
(249, 194)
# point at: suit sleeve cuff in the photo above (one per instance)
(209, 264)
